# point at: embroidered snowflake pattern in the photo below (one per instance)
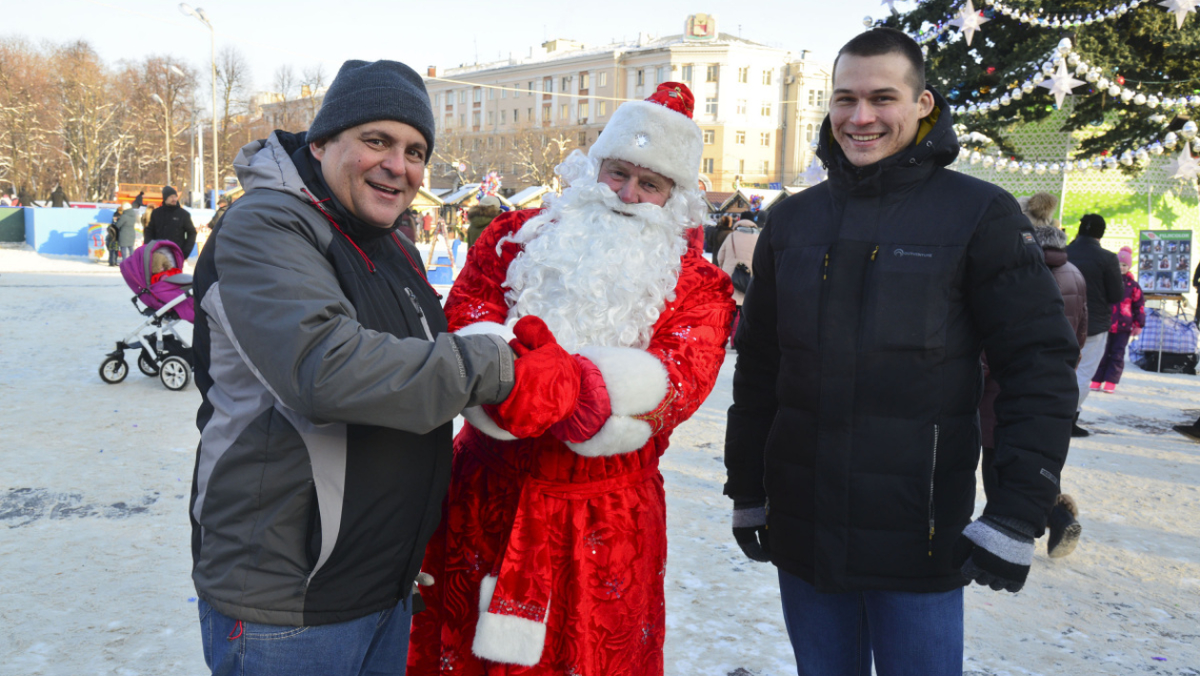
(645, 634)
(614, 587)
(449, 660)
(475, 311)
(594, 540)
(641, 139)
(528, 611)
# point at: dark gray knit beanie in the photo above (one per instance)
(365, 91)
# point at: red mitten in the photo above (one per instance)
(593, 409)
(547, 382)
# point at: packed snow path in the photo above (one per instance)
(94, 534)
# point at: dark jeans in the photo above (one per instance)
(113, 256)
(904, 633)
(1112, 364)
(375, 645)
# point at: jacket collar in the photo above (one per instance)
(936, 146)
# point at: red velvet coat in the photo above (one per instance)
(566, 553)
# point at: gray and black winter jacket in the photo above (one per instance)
(858, 372)
(329, 385)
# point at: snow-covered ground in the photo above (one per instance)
(94, 534)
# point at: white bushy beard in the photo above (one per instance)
(596, 270)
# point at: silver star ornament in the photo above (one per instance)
(1185, 167)
(1180, 8)
(969, 20)
(1061, 83)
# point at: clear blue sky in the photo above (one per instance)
(305, 32)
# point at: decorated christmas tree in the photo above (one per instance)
(1125, 75)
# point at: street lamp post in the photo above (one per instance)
(166, 134)
(198, 14)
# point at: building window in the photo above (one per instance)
(462, 119)
(710, 106)
(530, 115)
(741, 167)
(766, 77)
(477, 95)
(584, 109)
(764, 167)
(515, 118)
(462, 96)
(504, 92)
(604, 79)
(475, 119)
(710, 137)
(641, 77)
(437, 100)
(491, 118)
(566, 84)
(816, 98)
(685, 73)
(582, 140)
(449, 121)
(808, 133)
(744, 74)
(491, 94)
(547, 85)
(584, 80)
(739, 137)
(764, 139)
(531, 88)
(503, 117)
(707, 165)
(766, 109)
(546, 112)
(741, 106)
(491, 142)
(710, 74)
(564, 111)
(662, 74)
(603, 107)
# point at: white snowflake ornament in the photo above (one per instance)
(969, 20)
(1060, 84)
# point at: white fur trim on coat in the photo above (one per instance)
(481, 421)
(505, 638)
(480, 328)
(655, 137)
(637, 384)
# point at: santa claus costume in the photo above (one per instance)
(551, 552)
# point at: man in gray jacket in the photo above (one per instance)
(329, 384)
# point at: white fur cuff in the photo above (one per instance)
(505, 638)
(620, 434)
(481, 421)
(480, 328)
(636, 380)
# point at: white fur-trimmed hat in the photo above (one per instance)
(658, 134)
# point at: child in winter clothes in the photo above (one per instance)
(162, 264)
(1129, 316)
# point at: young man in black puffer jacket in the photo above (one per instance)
(853, 434)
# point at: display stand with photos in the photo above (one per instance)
(1165, 261)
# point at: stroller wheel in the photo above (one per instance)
(175, 373)
(113, 370)
(146, 366)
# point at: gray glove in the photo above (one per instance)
(996, 552)
(750, 529)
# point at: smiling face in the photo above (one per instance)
(875, 111)
(374, 169)
(634, 184)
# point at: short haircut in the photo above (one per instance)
(1092, 225)
(880, 41)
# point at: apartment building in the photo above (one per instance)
(522, 116)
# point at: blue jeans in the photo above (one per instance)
(910, 634)
(126, 252)
(375, 645)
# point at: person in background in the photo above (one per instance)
(25, 197)
(738, 249)
(1102, 272)
(58, 198)
(137, 201)
(223, 203)
(172, 222)
(127, 224)
(110, 239)
(481, 216)
(1129, 318)
(6, 199)
(719, 232)
(426, 226)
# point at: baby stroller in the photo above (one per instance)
(164, 303)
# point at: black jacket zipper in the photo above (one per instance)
(932, 472)
(420, 313)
